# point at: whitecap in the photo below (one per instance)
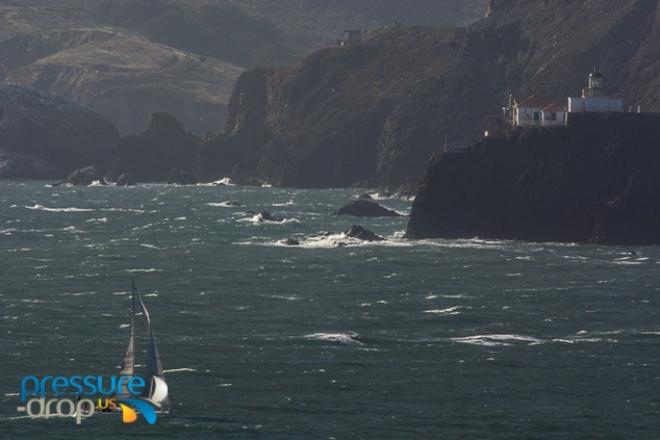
(224, 181)
(38, 207)
(150, 246)
(225, 204)
(180, 370)
(143, 270)
(259, 219)
(72, 229)
(448, 311)
(98, 220)
(494, 340)
(83, 293)
(131, 210)
(289, 203)
(286, 297)
(344, 338)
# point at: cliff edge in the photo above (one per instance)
(595, 180)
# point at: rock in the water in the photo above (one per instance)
(125, 180)
(290, 242)
(266, 216)
(365, 196)
(365, 208)
(357, 231)
(85, 176)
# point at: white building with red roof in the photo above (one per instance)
(537, 111)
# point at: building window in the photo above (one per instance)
(536, 116)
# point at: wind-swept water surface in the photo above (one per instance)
(330, 339)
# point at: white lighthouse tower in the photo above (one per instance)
(595, 87)
(593, 99)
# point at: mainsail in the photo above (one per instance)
(128, 364)
(156, 390)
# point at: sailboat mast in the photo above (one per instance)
(128, 364)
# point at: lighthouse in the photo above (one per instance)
(593, 99)
(595, 86)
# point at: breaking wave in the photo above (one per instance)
(38, 207)
(343, 338)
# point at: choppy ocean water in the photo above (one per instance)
(480, 339)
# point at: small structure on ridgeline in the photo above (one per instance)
(350, 37)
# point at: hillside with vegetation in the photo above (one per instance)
(129, 58)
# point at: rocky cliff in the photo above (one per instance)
(317, 124)
(164, 152)
(374, 113)
(45, 137)
(525, 47)
(593, 181)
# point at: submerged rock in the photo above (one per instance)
(265, 216)
(365, 208)
(290, 242)
(357, 231)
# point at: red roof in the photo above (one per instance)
(536, 102)
(554, 107)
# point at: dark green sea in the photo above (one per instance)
(437, 339)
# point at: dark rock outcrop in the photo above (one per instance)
(47, 137)
(85, 176)
(366, 208)
(290, 242)
(164, 151)
(357, 231)
(593, 181)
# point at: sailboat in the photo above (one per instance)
(156, 390)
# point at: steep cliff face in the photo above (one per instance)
(593, 181)
(318, 124)
(525, 47)
(163, 152)
(373, 114)
(45, 137)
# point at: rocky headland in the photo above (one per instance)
(595, 181)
